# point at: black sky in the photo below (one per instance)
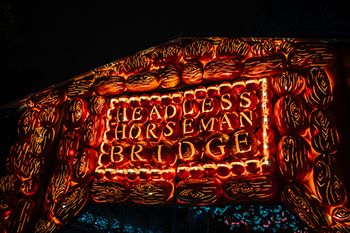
(52, 41)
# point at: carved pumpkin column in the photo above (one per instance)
(28, 163)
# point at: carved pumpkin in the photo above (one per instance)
(76, 113)
(265, 66)
(251, 189)
(28, 122)
(110, 192)
(83, 169)
(312, 55)
(324, 135)
(341, 214)
(288, 83)
(167, 54)
(98, 105)
(19, 219)
(328, 182)
(294, 158)
(318, 89)
(200, 50)
(243, 144)
(199, 191)
(164, 153)
(42, 140)
(71, 203)
(48, 116)
(68, 146)
(290, 114)
(110, 85)
(150, 192)
(299, 199)
(218, 70)
(92, 131)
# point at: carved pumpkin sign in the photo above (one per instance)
(194, 122)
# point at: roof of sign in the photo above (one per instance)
(128, 66)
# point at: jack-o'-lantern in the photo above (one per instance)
(223, 169)
(290, 114)
(28, 122)
(50, 98)
(92, 131)
(71, 203)
(42, 140)
(19, 153)
(255, 188)
(81, 88)
(167, 54)
(45, 225)
(268, 165)
(48, 116)
(294, 158)
(288, 83)
(312, 55)
(76, 113)
(18, 221)
(217, 146)
(183, 171)
(164, 153)
(270, 65)
(210, 168)
(341, 214)
(252, 165)
(30, 186)
(68, 146)
(170, 76)
(233, 48)
(243, 144)
(324, 135)
(318, 89)
(196, 170)
(150, 192)
(146, 81)
(237, 167)
(304, 204)
(98, 105)
(83, 169)
(199, 191)
(110, 85)
(201, 50)
(190, 149)
(136, 63)
(218, 70)
(192, 73)
(59, 183)
(110, 192)
(328, 181)
(141, 153)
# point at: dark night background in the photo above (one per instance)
(43, 43)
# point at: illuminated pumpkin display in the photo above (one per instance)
(203, 122)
